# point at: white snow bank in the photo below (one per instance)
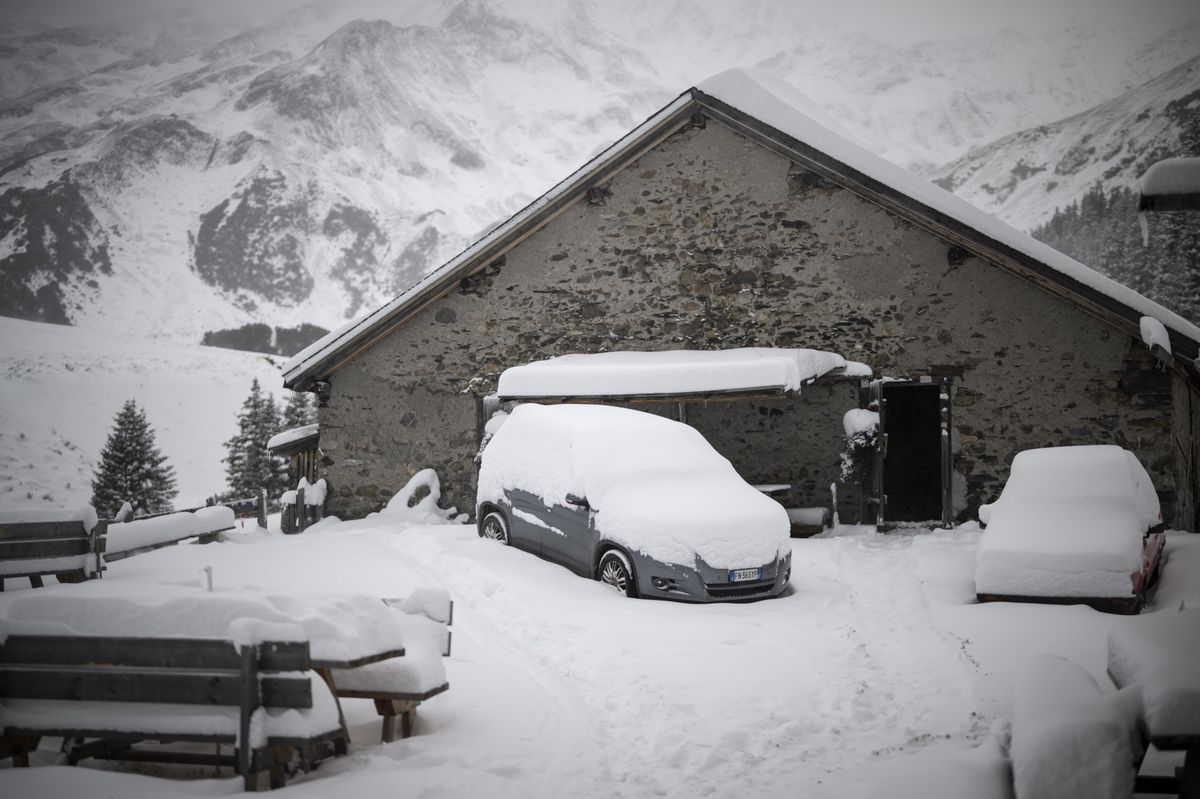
(1069, 739)
(655, 485)
(288, 436)
(339, 627)
(124, 536)
(979, 773)
(612, 374)
(1069, 522)
(773, 101)
(417, 501)
(1172, 176)
(314, 493)
(1158, 653)
(84, 513)
(1153, 332)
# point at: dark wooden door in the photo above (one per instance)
(914, 448)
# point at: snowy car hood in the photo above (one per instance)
(675, 518)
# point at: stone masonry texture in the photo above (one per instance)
(711, 241)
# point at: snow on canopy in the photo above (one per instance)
(289, 436)
(781, 106)
(607, 374)
(1068, 523)
(656, 485)
(1172, 176)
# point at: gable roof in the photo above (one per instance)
(777, 116)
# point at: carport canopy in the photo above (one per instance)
(674, 374)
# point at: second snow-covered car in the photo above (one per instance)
(639, 502)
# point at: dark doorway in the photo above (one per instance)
(913, 453)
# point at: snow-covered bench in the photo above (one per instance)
(1067, 738)
(148, 533)
(65, 543)
(1157, 656)
(399, 685)
(103, 695)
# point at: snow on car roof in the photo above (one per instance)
(614, 374)
(657, 486)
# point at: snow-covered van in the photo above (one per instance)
(1072, 525)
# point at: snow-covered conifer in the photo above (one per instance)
(249, 465)
(131, 468)
(299, 411)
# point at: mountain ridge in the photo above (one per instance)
(311, 167)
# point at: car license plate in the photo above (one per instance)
(743, 575)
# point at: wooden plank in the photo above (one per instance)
(283, 656)
(195, 653)
(44, 548)
(40, 530)
(394, 695)
(359, 661)
(100, 732)
(122, 684)
(290, 692)
(67, 650)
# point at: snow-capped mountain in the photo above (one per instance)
(1024, 177)
(184, 174)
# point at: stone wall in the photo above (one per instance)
(711, 241)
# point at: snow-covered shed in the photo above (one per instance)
(739, 216)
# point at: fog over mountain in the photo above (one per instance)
(175, 168)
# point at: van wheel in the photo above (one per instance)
(494, 526)
(616, 572)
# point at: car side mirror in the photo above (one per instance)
(579, 502)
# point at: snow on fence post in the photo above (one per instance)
(262, 508)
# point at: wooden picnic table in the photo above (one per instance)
(344, 631)
(1159, 653)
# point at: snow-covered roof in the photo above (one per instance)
(1171, 184)
(750, 100)
(673, 372)
(292, 436)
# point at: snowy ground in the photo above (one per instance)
(560, 687)
(61, 387)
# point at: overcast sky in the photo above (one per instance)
(904, 20)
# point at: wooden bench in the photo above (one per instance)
(105, 695)
(398, 686)
(66, 549)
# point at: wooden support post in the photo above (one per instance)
(98, 534)
(249, 703)
(301, 511)
(262, 508)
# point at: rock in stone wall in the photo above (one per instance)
(711, 241)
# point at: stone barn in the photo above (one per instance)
(736, 217)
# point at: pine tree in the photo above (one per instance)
(299, 411)
(131, 468)
(249, 465)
